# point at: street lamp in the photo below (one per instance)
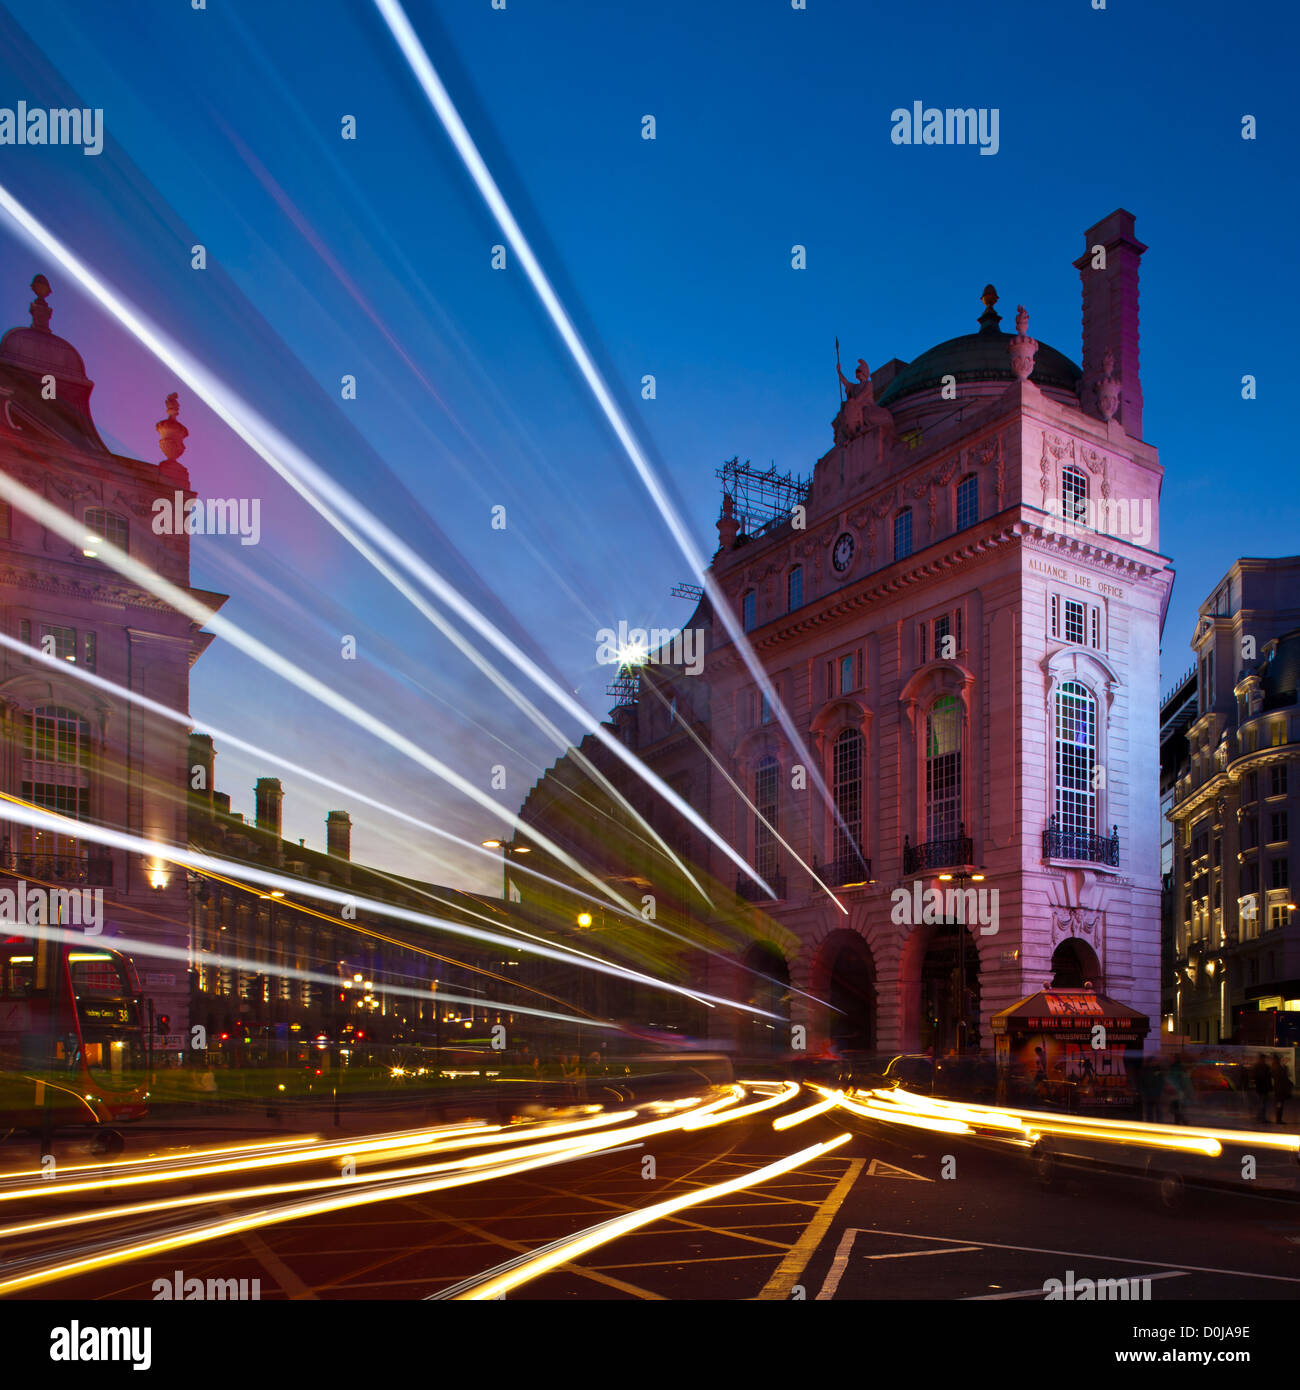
(507, 847)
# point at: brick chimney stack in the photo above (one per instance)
(338, 835)
(268, 794)
(1109, 271)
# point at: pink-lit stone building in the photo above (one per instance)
(964, 625)
(66, 746)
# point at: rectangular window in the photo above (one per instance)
(903, 534)
(25, 636)
(922, 644)
(1279, 733)
(1277, 917)
(968, 502)
(1281, 873)
(1095, 615)
(796, 588)
(1074, 496)
(88, 653)
(1056, 615)
(942, 632)
(750, 610)
(847, 682)
(765, 710)
(1278, 780)
(1074, 615)
(956, 620)
(60, 642)
(1252, 787)
(1279, 834)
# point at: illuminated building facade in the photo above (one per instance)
(66, 746)
(1237, 948)
(962, 617)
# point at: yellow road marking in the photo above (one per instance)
(787, 1274)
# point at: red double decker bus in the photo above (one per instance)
(74, 1046)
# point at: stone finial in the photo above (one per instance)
(1108, 389)
(39, 309)
(728, 526)
(171, 432)
(990, 318)
(1023, 348)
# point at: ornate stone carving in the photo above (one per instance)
(1086, 923)
(1108, 392)
(1023, 348)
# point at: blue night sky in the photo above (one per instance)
(372, 257)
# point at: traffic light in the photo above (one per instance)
(164, 1025)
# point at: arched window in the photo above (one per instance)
(765, 783)
(1076, 760)
(846, 787)
(1074, 495)
(105, 526)
(55, 777)
(968, 501)
(794, 589)
(943, 769)
(903, 534)
(749, 609)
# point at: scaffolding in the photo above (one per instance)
(762, 497)
(625, 688)
(694, 592)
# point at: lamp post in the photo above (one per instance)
(507, 848)
(960, 877)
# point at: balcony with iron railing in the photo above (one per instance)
(848, 870)
(952, 853)
(1081, 846)
(747, 888)
(71, 866)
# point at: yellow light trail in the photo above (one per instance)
(481, 1166)
(607, 1231)
(799, 1116)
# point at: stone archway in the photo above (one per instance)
(844, 977)
(1075, 964)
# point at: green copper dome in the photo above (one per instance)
(982, 356)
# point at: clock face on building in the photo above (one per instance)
(842, 554)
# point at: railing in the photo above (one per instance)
(938, 854)
(96, 870)
(752, 893)
(1081, 845)
(844, 869)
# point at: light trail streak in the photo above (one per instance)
(87, 830)
(60, 522)
(566, 1251)
(799, 1116)
(315, 487)
(186, 721)
(432, 1177)
(431, 84)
